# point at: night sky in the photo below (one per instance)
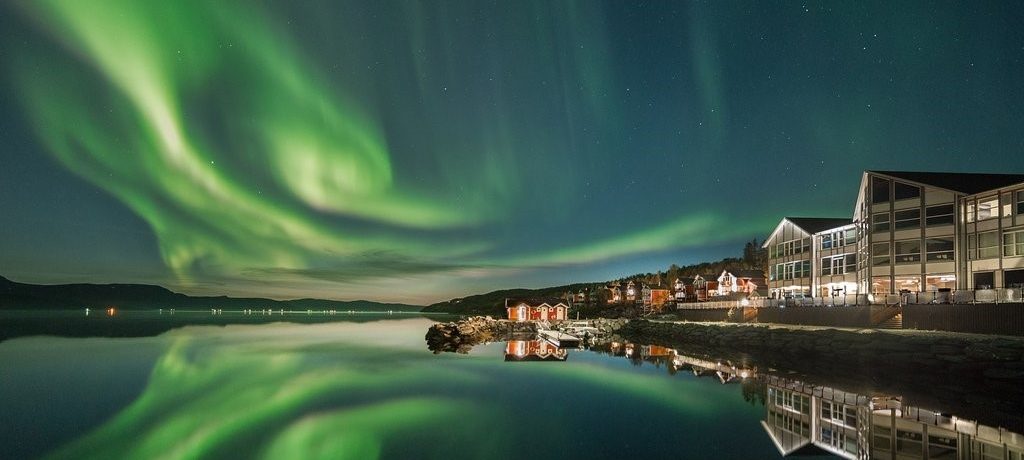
(405, 151)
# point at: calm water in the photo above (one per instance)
(368, 388)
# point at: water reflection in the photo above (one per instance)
(802, 418)
(806, 419)
(533, 350)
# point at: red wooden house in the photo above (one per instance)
(536, 310)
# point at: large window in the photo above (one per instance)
(881, 285)
(880, 254)
(838, 265)
(906, 191)
(988, 208)
(793, 247)
(1013, 243)
(880, 222)
(939, 215)
(908, 251)
(939, 249)
(793, 270)
(879, 190)
(838, 239)
(936, 282)
(988, 245)
(910, 218)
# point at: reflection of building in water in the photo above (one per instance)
(533, 350)
(803, 419)
(726, 372)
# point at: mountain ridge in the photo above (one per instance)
(15, 295)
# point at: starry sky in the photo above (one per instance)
(419, 151)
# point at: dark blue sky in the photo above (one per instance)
(420, 151)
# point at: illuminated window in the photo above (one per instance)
(988, 245)
(908, 251)
(988, 208)
(910, 218)
(1013, 243)
(881, 285)
(939, 215)
(880, 222)
(939, 249)
(936, 282)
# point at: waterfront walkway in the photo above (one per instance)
(859, 330)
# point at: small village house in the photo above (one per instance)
(746, 282)
(537, 310)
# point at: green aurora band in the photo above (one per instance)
(341, 391)
(207, 121)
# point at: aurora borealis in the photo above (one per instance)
(343, 390)
(417, 151)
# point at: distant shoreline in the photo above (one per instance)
(23, 296)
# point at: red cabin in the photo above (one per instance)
(526, 310)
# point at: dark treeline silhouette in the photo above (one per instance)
(493, 303)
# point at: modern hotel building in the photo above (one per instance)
(910, 232)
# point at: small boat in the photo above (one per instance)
(559, 339)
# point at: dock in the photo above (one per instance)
(559, 339)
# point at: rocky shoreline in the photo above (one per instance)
(978, 375)
(460, 336)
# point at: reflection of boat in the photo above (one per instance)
(533, 350)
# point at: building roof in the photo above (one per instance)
(752, 274)
(536, 302)
(969, 183)
(814, 225)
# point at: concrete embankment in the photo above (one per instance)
(994, 357)
(977, 376)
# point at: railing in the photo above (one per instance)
(967, 296)
(831, 301)
(719, 304)
(961, 296)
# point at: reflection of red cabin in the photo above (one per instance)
(526, 310)
(655, 351)
(533, 350)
